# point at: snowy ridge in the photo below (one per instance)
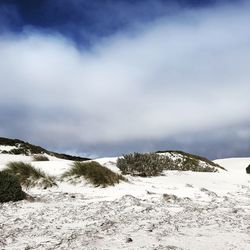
(181, 210)
(6, 148)
(19, 147)
(179, 157)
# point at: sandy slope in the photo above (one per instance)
(208, 211)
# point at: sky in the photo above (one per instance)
(105, 78)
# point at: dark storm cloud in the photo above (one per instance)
(177, 81)
(9, 18)
(84, 21)
(214, 144)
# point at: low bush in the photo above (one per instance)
(248, 169)
(40, 158)
(152, 164)
(19, 151)
(143, 165)
(192, 164)
(29, 176)
(95, 173)
(10, 188)
(196, 158)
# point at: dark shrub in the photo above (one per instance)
(152, 164)
(19, 151)
(200, 159)
(5, 152)
(187, 162)
(40, 158)
(29, 176)
(143, 165)
(94, 173)
(193, 164)
(10, 188)
(248, 169)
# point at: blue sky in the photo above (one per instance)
(110, 77)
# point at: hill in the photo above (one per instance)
(183, 159)
(18, 147)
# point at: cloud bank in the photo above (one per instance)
(181, 75)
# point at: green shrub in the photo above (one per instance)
(188, 163)
(152, 164)
(248, 169)
(29, 176)
(94, 173)
(10, 188)
(40, 158)
(19, 151)
(185, 155)
(143, 165)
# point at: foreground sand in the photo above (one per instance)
(181, 210)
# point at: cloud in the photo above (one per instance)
(9, 17)
(175, 75)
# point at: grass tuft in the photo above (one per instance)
(29, 176)
(40, 158)
(93, 172)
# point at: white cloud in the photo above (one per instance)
(184, 74)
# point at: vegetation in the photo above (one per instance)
(152, 164)
(191, 156)
(193, 164)
(143, 165)
(10, 188)
(29, 176)
(248, 169)
(26, 148)
(68, 157)
(40, 158)
(93, 172)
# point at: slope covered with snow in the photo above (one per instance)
(179, 210)
(19, 147)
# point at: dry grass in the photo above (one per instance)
(29, 176)
(40, 158)
(93, 172)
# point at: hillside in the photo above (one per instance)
(18, 147)
(183, 159)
